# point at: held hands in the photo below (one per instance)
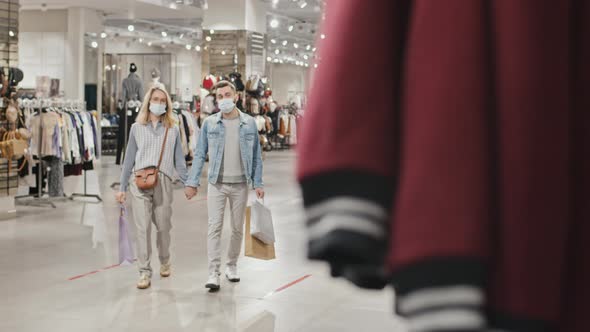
(121, 197)
(190, 192)
(259, 193)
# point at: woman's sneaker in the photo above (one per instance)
(165, 270)
(144, 282)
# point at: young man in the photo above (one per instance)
(235, 163)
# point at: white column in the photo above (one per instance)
(74, 75)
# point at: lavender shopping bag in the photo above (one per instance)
(126, 256)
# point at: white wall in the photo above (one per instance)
(255, 16)
(42, 54)
(40, 21)
(286, 80)
(90, 65)
(225, 15)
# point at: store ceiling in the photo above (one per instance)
(129, 9)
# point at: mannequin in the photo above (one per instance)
(132, 90)
(156, 79)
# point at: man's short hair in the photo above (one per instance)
(223, 84)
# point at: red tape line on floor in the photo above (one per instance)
(291, 284)
(95, 272)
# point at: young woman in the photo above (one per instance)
(154, 126)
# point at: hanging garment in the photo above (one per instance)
(465, 183)
(55, 176)
(293, 129)
(50, 124)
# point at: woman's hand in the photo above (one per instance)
(121, 197)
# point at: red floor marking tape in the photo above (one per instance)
(95, 272)
(293, 283)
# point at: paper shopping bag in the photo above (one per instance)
(261, 226)
(253, 247)
(125, 246)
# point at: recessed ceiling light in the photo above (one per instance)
(268, 58)
(295, 45)
(302, 4)
(94, 44)
(276, 61)
(323, 36)
(290, 28)
(164, 34)
(305, 56)
(141, 40)
(314, 49)
(274, 41)
(198, 48)
(11, 33)
(189, 46)
(131, 28)
(149, 43)
(211, 31)
(315, 65)
(277, 52)
(285, 43)
(208, 38)
(308, 47)
(274, 23)
(222, 52)
(103, 35)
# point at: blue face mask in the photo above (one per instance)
(158, 109)
(226, 105)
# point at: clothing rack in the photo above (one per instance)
(85, 193)
(38, 199)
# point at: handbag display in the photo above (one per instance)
(147, 178)
(13, 145)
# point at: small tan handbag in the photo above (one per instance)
(147, 178)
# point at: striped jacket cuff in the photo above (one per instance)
(348, 224)
(443, 294)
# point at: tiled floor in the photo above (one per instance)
(44, 247)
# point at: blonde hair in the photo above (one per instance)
(144, 114)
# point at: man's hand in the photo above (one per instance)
(259, 193)
(190, 192)
(121, 197)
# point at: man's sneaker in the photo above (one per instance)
(213, 282)
(165, 270)
(144, 282)
(231, 273)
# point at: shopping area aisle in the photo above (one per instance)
(44, 248)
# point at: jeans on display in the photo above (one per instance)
(217, 196)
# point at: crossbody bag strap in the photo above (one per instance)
(163, 147)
